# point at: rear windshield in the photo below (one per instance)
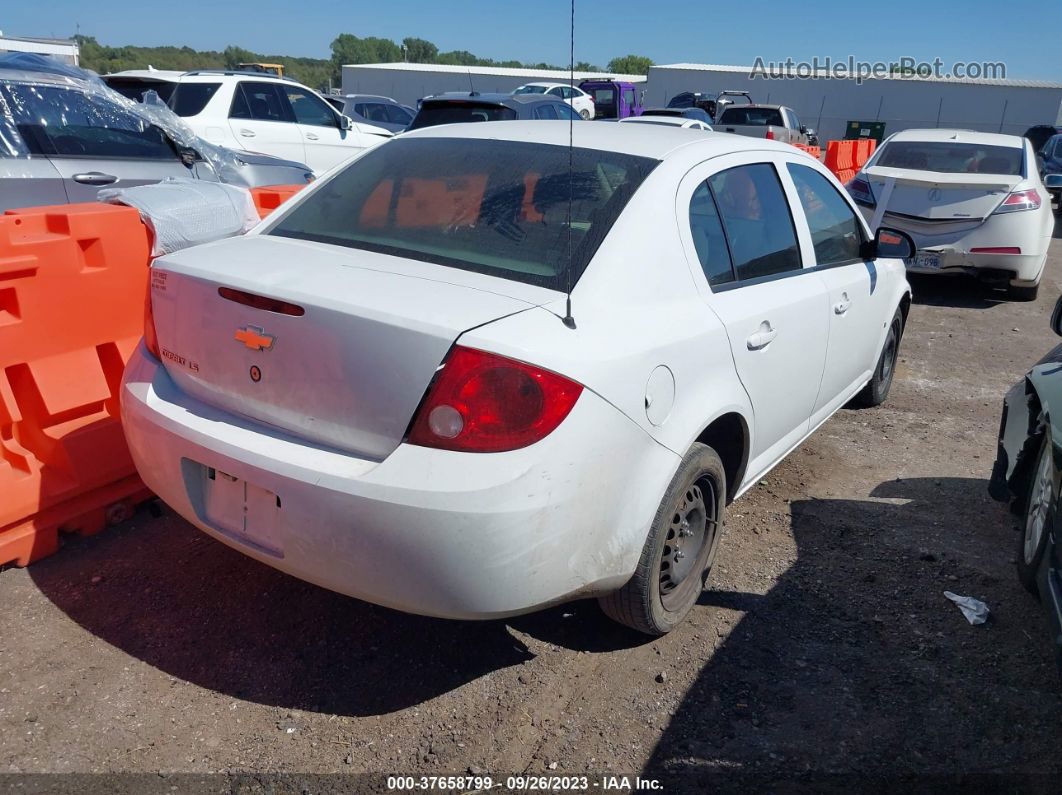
(433, 113)
(952, 158)
(135, 89)
(189, 99)
(503, 210)
(530, 90)
(752, 116)
(664, 112)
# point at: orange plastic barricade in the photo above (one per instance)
(846, 175)
(840, 156)
(268, 198)
(73, 280)
(864, 148)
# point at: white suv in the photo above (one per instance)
(272, 115)
(581, 102)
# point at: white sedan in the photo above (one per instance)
(581, 102)
(475, 386)
(973, 202)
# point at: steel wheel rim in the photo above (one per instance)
(1039, 506)
(692, 530)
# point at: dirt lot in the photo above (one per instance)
(823, 654)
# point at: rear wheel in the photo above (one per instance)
(877, 389)
(1039, 513)
(585, 114)
(1023, 293)
(680, 549)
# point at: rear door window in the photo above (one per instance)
(58, 121)
(545, 111)
(756, 217)
(512, 210)
(189, 99)
(835, 231)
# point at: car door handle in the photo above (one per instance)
(95, 178)
(247, 133)
(311, 136)
(842, 306)
(761, 338)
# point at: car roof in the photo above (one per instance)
(673, 121)
(960, 136)
(498, 99)
(633, 139)
(25, 76)
(756, 105)
(546, 84)
(151, 74)
(376, 97)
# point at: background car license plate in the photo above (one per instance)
(925, 259)
(246, 512)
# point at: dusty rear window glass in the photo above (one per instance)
(952, 157)
(497, 207)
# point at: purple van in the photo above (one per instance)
(613, 99)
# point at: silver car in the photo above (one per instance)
(62, 139)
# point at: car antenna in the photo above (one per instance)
(471, 88)
(568, 320)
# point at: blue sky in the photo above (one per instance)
(668, 31)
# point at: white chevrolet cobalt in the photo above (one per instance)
(385, 390)
(973, 203)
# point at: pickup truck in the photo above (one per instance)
(773, 122)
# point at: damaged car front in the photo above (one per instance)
(1027, 472)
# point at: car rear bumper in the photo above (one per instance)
(440, 533)
(1016, 269)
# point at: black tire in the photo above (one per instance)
(877, 389)
(664, 588)
(1023, 293)
(1039, 506)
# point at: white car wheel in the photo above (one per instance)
(1039, 512)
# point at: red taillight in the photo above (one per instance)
(261, 302)
(484, 403)
(151, 339)
(996, 250)
(1020, 200)
(859, 189)
(770, 135)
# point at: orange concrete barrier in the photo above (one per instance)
(73, 281)
(267, 199)
(846, 175)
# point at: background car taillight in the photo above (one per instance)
(861, 192)
(151, 340)
(770, 135)
(484, 403)
(1020, 200)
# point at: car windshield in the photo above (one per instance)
(506, 208)
(755, 117)
(952, 157)
(433, 113)
(530, 90)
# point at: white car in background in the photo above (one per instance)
(477, 372)
(668, 121)
(973, 203)
(260, 112)
(581, 102)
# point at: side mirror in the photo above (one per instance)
(889, 244)
(1056, 317)
(345, 122)
(1053, 181)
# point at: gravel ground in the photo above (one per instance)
(823, 654)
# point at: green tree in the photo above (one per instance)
(457, 58)
(234, 56)
(630, 65)
(419, 50)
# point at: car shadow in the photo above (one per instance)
(855, 670)
(954, 289)
(178, 600)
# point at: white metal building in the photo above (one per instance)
(408, 82)
(66, 50)
(1009, 106)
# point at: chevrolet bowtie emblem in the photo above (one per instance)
(255, 338)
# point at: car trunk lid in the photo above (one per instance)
(942, 197)
(344, 360)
